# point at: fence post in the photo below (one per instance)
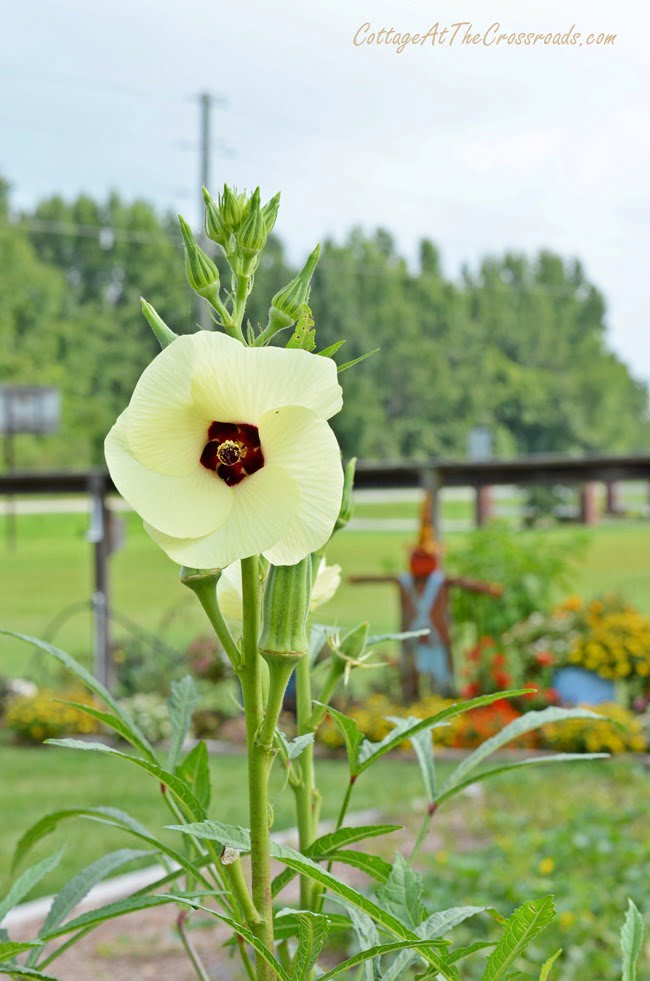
(99, 536)
(483, 506)
(588, 504)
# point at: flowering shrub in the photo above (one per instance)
(623, 733)
(488, 670)
(149, 711)
(34, 718)
(615, 641)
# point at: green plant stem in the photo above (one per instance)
(207, 595)
(426, 824)
(250, 970)
(305, 789)
(226, 320)
(259, 763)
(279, 674)
(201, 973)
(330, 685)
(239, 308)
(345, 802)
(235, 876)
(318, 891)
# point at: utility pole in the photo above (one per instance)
(206, 101)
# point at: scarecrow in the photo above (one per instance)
(424, 603)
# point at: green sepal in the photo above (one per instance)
(164, 334)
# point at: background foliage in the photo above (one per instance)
(517, 344)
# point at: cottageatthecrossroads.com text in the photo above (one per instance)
(465, 34)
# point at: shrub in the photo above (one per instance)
(34, 718)
(623, 733)
(149, 711)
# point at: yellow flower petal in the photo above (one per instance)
(234, 383)
(262, 508)
(304, 445)
(193, 505)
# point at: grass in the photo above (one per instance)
(38, 780)
(51, 573)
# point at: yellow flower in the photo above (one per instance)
(225, 451)
(546, 866)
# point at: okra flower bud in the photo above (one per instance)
(287, 304)
(202, 273)
(270, 212)
(214, 226)
(233, 208)
(252, 235)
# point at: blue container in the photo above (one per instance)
(578, 686)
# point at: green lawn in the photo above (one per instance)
(51, 573)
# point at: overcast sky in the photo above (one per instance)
(478, 147)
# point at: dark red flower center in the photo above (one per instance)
(233, 451)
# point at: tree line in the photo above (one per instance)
(517, 343)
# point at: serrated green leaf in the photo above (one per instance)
(401, 894)
(351, 364)
(26, 882)
(375, 639)
(368, 936)
(92, 683)
(299, 745)
(426, 946)
(370, 752)
(12, 948)
(195, 770)
(175, 784)
(243, 931)
(521, 928)
(423, 745)
(334, 840)
(286, 923)
(26, 972)
(631, 941)
(525, 723)
(372, 865)
(514, 765)
(182, 702)
(312, 935)
(329, 352)
(80, 885)
(545, 972)
(228, 835)
(327, 845)
(111, 722)
(352, 736)
(305, 866)
(462, 952)
(110, 816)
(111, 911)
(436, 925)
